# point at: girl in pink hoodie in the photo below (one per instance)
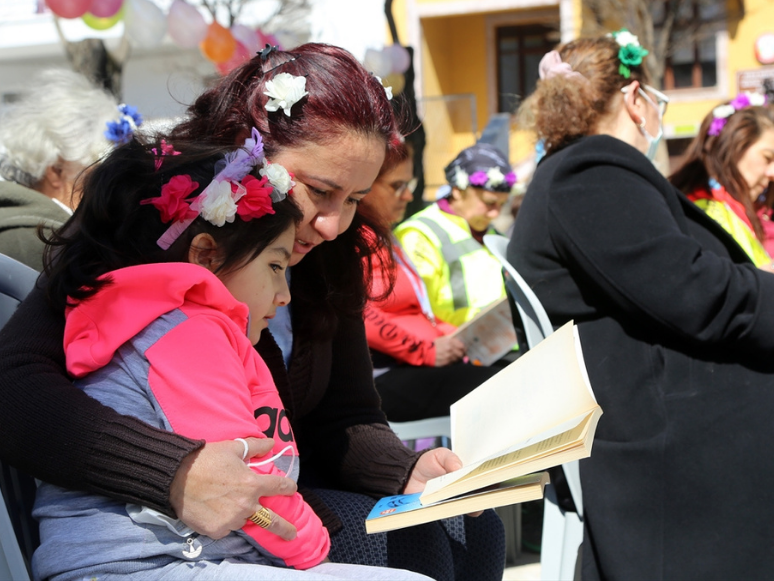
(170, 269)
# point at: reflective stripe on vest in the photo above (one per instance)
(452, 253)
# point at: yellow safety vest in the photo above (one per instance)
(732, 224)
(461, 275)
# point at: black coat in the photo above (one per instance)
(677, 328)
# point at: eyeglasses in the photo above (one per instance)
(661, 101)
(399, 187)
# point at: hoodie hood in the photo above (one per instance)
(137, 296)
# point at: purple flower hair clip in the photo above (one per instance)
(121, 131)
(478, 179)
(721, 113)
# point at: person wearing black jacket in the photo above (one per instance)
(676, 325)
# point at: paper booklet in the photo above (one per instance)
(489, 335)
(536, 413)
(404, 510)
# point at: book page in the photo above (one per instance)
(547, 442)
(545, 388)
(489, 335)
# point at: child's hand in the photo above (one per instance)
(214, 492)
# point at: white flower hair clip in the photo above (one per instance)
(233, 191)
(284, 91)
(387, 90)
(461, 178)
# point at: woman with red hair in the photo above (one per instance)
(327, 120)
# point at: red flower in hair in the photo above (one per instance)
(172, 203)
(257, 201)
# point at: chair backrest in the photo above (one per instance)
(537, 325)
(18, 530)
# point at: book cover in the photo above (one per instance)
(489, 335)
(403, 510)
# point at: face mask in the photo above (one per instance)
(652, 141)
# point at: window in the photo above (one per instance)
(691, 59)
(519, 50)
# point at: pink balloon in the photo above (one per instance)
(248, 37)
(105, 8)
(186, 25)
(241, 55)
(69, 8)
(399, 57)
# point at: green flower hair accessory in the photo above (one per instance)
(630, 54)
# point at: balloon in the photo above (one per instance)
(69, 8)
(241, 55)
(186, 25)
(399, 57)
(396, 81)
(145, 23)
(219, 44)
(98, 23)
(378, 62)
(105, 8)
(248, 37)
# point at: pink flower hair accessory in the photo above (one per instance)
(551, 65)
(721, 113)
(232, 191)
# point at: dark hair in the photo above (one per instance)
(563, 109)
(110, 229)
(342, 96)
(718, 156)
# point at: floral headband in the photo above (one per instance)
(232, 191)
(721, 113)
(493, 179)
(630, 52)
(121, 131)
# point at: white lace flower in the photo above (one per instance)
(757, 99)
(625, 38)
(461, 179)
(494, 177)
(217, 204)
(387, 90)
(723, 111)
(285, 91)
(278, 176)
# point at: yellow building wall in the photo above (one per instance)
(453, 63)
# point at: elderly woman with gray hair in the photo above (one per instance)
(60, 125)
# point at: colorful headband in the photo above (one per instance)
(121, 131)
(630, 54)
(721, 113)
(493, 179)
(232, 192)
(551, 65)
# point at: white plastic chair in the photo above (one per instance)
(427, 428)
(562, 530)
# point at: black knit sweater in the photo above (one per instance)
(55, 432)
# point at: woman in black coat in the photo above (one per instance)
(676, 323)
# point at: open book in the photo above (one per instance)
(489, 335)
(536, 413)
(404, 510)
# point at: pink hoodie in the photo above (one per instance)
(207, 378)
